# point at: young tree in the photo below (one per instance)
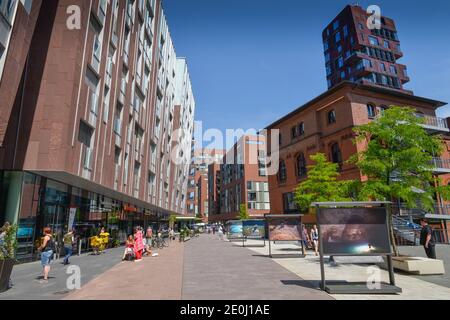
(322, 185)
(397, 160)
(243, 213)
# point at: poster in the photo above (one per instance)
(354, 231)
(72, 213)
(235, 229)
(254, 229)
(284, 228)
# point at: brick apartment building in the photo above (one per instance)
(359, 54)
(242, 180)
(89, 118)
(198, 185)
(325, 124)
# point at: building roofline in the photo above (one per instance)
(354, 85)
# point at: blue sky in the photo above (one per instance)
(253, 61)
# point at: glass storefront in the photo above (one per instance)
(35, 202)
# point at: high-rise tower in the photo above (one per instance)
(355, 52)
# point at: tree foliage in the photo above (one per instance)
(243, 212)
(322, 185)
(398, 159)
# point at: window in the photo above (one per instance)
(329, 70)
(342, 74)
(373, 41)
(294, 132)
(85, 134)
(405, 72)
(345, 31)
(371, 111)
(361, 26)
(301, 129)
(325, 45)
(339, 48)
(383, 67)
(386, 44)
(282, 172)
(393, 69)
(301, 165)
(367, 63)
(337, 37)
(340, 62)
(336, 154)
(348, 54)
(335, 25)
(332, 117)
(289, 203)
(352, 40)
(329, 83)
(327, 57)
(383, 108)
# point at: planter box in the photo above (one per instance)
(6, 267)
(418, 265)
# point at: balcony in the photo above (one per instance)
(433, 124)
(441, 166)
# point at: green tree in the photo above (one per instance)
(322, 185)
(243, 212)
(397, 160)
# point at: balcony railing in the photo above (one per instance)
(419, 212)
(441, 165)
(431, 122)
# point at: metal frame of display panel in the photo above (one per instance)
(244, 238)
(356, 287)
(281, 216)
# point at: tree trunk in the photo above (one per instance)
(391, 232)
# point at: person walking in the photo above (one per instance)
(68, 241)
(427, 239)
(47, 250)
(306, 240)
(138, 244)
(315, 239)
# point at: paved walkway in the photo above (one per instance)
(309, 269)
(154, 278)
(25, 277)
(218, 270)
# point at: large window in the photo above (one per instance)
(371, 111)
(301, 165)
(332, 117)
(282, 171)
(289, 205)
(373, 41)
(336, 156)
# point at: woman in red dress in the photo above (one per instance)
(138, 244)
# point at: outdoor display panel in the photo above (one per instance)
(235, 229)
(254, 229)
(284, 229)
(356, 231)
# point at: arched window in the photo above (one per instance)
(332, 117)
(282, 171)
(301, 165)
(336, 156)
(371, 111)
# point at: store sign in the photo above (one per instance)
(72, 214)
(359, 231)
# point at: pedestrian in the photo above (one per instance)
(171, 234)
(214, 230)
(3, 233)
(315, 239)
(129, 248)
(47, 250)
(306, 240)
(427, 239)
(149, 236)
(138, 244)
(68, 241)
(220, 232)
